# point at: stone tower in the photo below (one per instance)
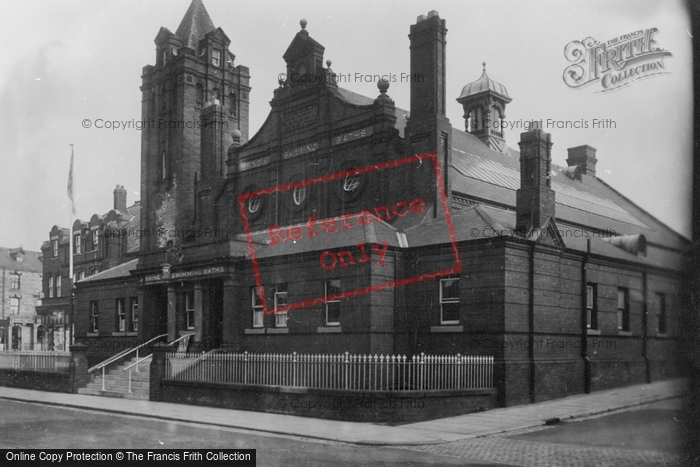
(194, 69)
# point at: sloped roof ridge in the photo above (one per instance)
(636, 206)
(101, 274)
(487, 218)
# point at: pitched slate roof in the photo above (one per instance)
(122, 270)
(31, 260)
(491, 177)
(483, 221)
(194, 25)
(375, 232)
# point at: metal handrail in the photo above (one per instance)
(122, 354)
(137, 362)
(147, 357)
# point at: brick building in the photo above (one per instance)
(98, 244)
(327, 216)
(20, 272)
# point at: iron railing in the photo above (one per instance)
(340, 371)
(36, 360)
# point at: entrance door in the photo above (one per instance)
(213, 331)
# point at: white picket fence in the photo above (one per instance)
(342, 371)
(35, 360)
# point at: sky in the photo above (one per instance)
(70, 60)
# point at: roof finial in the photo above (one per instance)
(303, 23)
(484, 63)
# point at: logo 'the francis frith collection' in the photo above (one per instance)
(614, 63)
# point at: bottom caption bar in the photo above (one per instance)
(124, 457)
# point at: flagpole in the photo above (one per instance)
(69, 341)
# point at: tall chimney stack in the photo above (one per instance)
(428, 129)
(535, 198)
(120, 198)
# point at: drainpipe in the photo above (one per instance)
(645, 326)
(584, 327)
(531, 322)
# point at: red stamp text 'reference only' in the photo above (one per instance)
(328, 259)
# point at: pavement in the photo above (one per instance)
(445, 430)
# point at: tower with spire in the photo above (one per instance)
(193, 70)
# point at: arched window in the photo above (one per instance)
(352, 181)
(199, 100)
(232, 104)
(163, 164)
(254, 203)
(299, 194)
(163, 98)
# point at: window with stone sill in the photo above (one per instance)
(449, 301)
(332, 287)
(257, 307)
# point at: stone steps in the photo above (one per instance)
(116, 382)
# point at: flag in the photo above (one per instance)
(70, 182)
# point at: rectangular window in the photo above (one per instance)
(449, 301)
(281, 302)
(661, 312)
(76, 244)
(58, 286)
(54, 248)
(332, 304)
(623, 309)
(189, 309)
(121, 315)
(216, 57)
(257, 307)
(50, 286)
(14, 305)
(591, 306)
(14, 280)
(94, 316)
(134, 314)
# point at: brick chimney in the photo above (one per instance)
(584, 158)
(120, 198)
(428, 128)
(535, 198)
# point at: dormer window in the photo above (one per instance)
(54, 248)
(216, 57)
(165, 56)
(76, 244)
